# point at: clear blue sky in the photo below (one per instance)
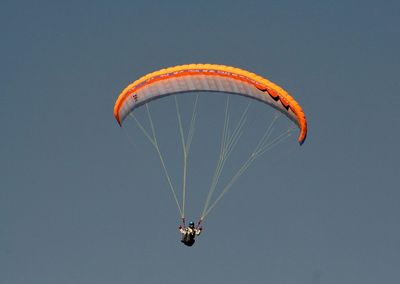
(79, 204)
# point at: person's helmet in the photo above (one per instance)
(191, 224)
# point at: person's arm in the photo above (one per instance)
(182, 230)
(198, 231)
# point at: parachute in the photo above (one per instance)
(208, 78)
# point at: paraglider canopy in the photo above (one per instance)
(208, 77)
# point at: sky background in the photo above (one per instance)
(80, 204)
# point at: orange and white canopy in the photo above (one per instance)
(210, 78)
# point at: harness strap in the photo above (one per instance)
(199, 223)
